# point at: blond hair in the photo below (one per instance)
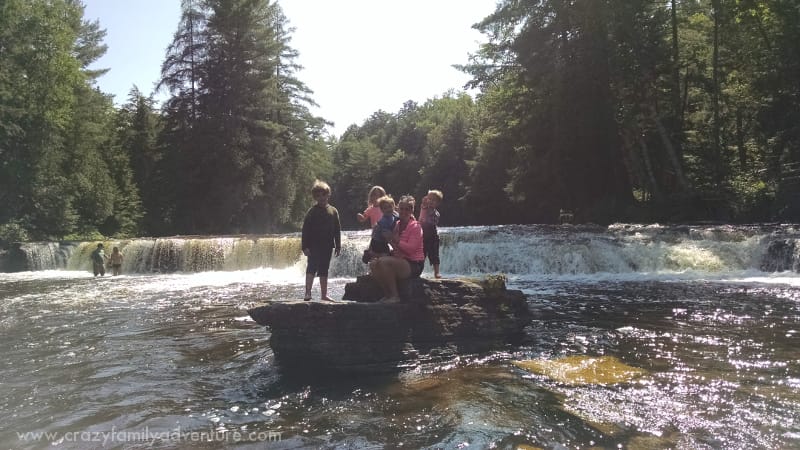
(437, 194)
(320, 186)
(374, 194)
(386, 200)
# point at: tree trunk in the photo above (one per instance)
(716, 150)
(648, 165)
(676, 74)
(740, 139)
(674, 160)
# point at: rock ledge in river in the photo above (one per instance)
(438, 318)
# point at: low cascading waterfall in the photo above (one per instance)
(519, 250)
(575, 251)
(165, 255)
(45, 255)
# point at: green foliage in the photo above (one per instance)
(614, 109)
(691, 120)
(238, 123)
(417, 149)
(12, 232)
(86, 236)
(47, 106)
(135, 156)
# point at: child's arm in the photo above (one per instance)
(364, 216)
(305, 237)
(423, 214)
(337, 233)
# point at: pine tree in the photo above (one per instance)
(45, 85)
(237, 133)
(181, 75)
(567, 153)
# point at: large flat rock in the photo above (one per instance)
(437, 318)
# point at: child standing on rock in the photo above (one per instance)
(429, 219)
(322, 236)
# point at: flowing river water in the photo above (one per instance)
(166, 356)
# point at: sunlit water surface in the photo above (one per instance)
(147, 360)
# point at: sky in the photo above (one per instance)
(359, 56)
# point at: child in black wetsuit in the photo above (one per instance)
(322, 236)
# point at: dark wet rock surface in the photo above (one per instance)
(436, 319)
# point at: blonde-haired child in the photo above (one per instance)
(373, 212)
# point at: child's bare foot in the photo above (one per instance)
(327, 299)
(438, 275)
(307, 297)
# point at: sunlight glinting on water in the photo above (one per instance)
(45, 274)
(177, 282)
(787, 278)
(168, 344)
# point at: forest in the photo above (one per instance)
(617, 110)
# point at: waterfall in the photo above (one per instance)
(514, 250)
(45, 255)
(619, 249)
(177, 254)
(578, 251)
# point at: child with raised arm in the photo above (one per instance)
(373, 212)
(429, 219)
(322, 236)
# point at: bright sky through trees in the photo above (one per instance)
(359, 56)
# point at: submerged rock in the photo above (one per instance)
(580, 369)
(436, 319)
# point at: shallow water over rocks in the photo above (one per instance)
(173, 361)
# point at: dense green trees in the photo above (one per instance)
(238, 126)
(55, 177)
(419, 148)
(626, 110)
(616, 109)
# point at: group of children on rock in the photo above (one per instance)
(321, 236)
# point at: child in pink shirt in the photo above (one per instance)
(373, 212)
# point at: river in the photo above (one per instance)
(166, 356)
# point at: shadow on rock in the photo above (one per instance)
(437, 319)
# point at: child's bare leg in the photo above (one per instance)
(309, 283)
(436, 271)
(323, 289)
